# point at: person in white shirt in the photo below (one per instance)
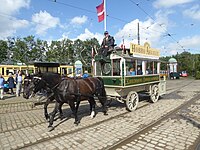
(18, 83)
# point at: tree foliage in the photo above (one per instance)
(186, 62)
(3, 50)
(28, 50)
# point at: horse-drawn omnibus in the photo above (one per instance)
(120, 85)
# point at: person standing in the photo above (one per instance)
(1, 86)
(11, 83)
(18, 83)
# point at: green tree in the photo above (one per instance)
(78, 46)
(27, 50)
(3, 50)
(86, 53)
(19, 51)
(197, 66)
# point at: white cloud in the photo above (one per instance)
(10, 24)
(88, 35)
(20, 24)
(79, 20)
(13, 6)
(189, 44)
(44, 21)
(170, 3)
(193, 12)
(149, 30)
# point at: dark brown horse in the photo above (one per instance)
(70, 91)
(49, 95)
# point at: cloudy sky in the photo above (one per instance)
(169, 25)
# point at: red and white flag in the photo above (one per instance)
(100, 11)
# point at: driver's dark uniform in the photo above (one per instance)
(109, 42)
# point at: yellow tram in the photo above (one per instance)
(62, 69)
(125, 87)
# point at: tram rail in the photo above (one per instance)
(145, 129)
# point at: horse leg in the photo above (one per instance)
(77, 105)
(92, 107)
(49, 99)
(45, 109)
(52, 115)
(74, 111)
(60, 110)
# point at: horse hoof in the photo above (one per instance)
(92, 114)
(61, 117)
(32, 106)
(105, 113)
(50, 128)
(76, 123)
(47, 118)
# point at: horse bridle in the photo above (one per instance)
(47, 84)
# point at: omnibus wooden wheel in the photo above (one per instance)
(132, 101)
(154, 95)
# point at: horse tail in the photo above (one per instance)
(102, 87)
(103, 97)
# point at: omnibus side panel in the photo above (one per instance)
(134, 80)
(162, 87)
(113, 80)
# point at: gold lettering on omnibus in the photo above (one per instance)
(144, 50)
(137, 80)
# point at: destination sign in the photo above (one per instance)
(146, 50)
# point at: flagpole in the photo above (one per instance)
(105, 15)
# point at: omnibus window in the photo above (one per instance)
(149, 67)
(130, 64)
(116, 67)
(155, 68)
(52, 69)
(139, 67)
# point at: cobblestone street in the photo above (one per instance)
(24, 127)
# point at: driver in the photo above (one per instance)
(107, 45)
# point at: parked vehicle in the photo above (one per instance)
(184, 74)
(174, 75)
